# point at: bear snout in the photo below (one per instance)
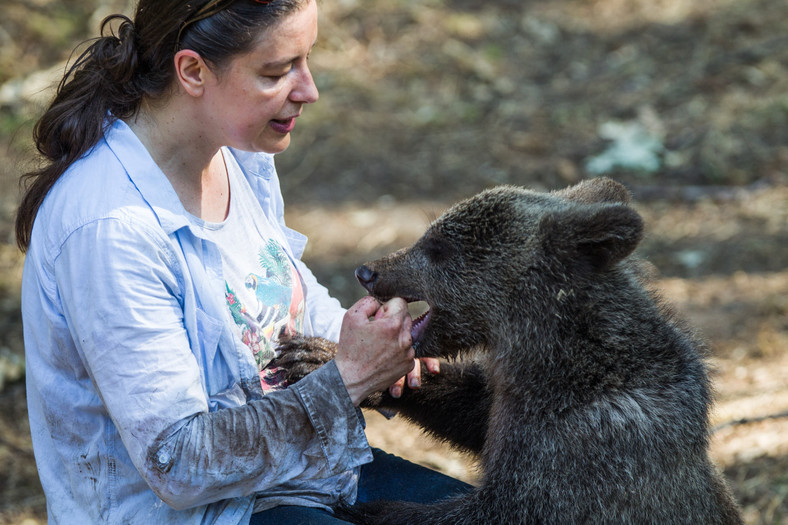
(366, 277)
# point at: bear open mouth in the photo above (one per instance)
(420, 313)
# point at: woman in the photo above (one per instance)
(159, 274)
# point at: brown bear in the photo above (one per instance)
(585, 398)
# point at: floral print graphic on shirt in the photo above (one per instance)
(271, 304)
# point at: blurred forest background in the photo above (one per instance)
(424, 103)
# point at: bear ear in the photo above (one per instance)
(600, 189)
(598, 235)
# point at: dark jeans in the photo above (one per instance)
(387, 477)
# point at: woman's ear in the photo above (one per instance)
(191, 71)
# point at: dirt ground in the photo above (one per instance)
(423, 103)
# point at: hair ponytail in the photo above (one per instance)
(97, 86)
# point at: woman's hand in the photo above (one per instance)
(374, 349)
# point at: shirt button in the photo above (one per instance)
(163, 458)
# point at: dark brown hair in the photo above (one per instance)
(132, 60)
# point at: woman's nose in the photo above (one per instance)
(306, 91)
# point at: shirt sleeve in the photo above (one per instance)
(120, 290)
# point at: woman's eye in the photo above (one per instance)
(274, 76)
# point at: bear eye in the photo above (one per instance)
(438, 249)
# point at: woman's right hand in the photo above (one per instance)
(374, 347)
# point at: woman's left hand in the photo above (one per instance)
(414, 376)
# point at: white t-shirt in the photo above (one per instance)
(263, 290)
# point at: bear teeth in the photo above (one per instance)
(418, 309)
(420, 321)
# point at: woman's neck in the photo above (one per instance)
(194, 167)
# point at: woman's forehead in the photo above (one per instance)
(291, 37)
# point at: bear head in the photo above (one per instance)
(491, 257)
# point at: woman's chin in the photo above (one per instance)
(280, 144)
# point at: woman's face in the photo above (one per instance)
(253, 102)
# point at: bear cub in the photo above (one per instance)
(585, 399)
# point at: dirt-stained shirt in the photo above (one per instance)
(143, 407)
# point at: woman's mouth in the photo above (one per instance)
(283, 126)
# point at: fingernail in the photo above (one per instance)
(414, 383)
(396, 392)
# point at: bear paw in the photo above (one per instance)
(299, 355)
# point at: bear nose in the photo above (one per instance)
(366, 277)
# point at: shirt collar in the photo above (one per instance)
(154, 186)
(146, 175)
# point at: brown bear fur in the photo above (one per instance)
(585, 398)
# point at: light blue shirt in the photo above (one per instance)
(143, 409)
